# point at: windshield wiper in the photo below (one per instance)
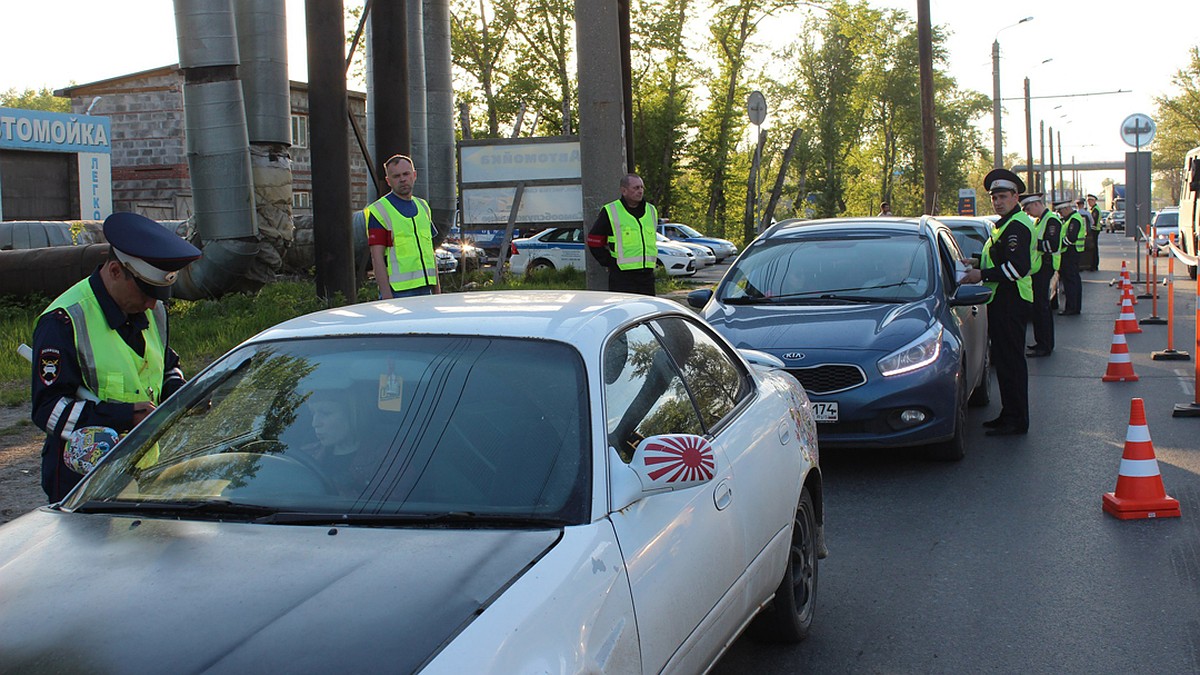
(208, 507)
(452, 518)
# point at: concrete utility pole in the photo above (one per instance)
(388, 97)
(333, 241)
(997, 134)
(928, 130)
(601, 113)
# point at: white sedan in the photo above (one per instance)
(562, 247)
(703, 254)
(463, 483)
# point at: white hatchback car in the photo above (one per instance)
(565, 247)
(554, 481)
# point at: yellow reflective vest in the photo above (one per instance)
(111, 368)
(410, 259)
(1080, 234)
(633, 239)
(1025, 283)
(1055, 245)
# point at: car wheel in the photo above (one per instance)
(982, 394)
(790, 614)
(955, 448)
(539, 265)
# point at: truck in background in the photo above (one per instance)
(1112, 199)
(1189, 193)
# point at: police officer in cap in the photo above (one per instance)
(1074, 234)
(1004, 267)
(101, 356)
(1047, 227)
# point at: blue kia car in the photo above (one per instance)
(868, 314)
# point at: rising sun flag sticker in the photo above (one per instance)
(671, 459)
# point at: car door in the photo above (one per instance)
(744, 426)
(682, 549)
(568, 247)
(971, 320)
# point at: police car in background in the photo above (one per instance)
(678, 232)
(565, 247)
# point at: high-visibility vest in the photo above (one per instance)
(410, 259)
(111, 368)
(1025, 283)
(1095, 218)
(633, 239)
(1055, 252)
(1080, 234)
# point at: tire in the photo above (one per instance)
(789, 616)
(539, 265)
(982, 394)
(954, 449)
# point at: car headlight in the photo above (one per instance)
(914, 355)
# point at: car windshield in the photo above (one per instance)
(867, 267)
(688, 230)
(1167, 219)
(417, 426)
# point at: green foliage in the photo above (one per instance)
(1178, 120)
(35, 99)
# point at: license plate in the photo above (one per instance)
(825, 411)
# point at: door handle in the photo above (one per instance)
(723, 495)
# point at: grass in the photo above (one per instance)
(202, 330)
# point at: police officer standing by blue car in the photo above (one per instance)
(101, 354)
(1005, 268)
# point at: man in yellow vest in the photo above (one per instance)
(623, 239)
(1074, 235)
(1005, 266)
(400, 234)
(1047, 230)
(101, 354)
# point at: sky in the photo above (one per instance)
(1095, 46)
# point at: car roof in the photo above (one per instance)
(796, 226)
(584, 318)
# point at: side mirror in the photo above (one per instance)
(661, 463)
(758, 358)
(972, 294)
(699, 298)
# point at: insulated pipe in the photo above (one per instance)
(50, 270)
(262, 43)
(439, 99)
(418, 116)
(218, 149)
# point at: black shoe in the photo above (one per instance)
(1037, 353)
(1006, 430)
(993, 424)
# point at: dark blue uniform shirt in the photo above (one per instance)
(57, 374)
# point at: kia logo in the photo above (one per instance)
(794, 356)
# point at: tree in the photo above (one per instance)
(479, 49)
(35, 99)
(547, 37)
(662, 96)
(1178, 121)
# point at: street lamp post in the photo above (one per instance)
(997, 143)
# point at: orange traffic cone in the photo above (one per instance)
(1120, 368)
(1124, 274)
(1127, 293)
(1140, 492)
(1127, 322)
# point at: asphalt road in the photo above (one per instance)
(1004, 562)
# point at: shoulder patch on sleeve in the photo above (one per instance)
(48, 360)
(1011, 242)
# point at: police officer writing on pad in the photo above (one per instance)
(1004, 267)
(107, 334)
(623, 239)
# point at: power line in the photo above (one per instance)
(1093, 93)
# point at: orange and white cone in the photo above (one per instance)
(1127, 293)
(1127, 322)
(1120, 368)
(1125, 275)
(1140, 492)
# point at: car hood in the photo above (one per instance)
(776, 328)
(709, 241)
(99, 593)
